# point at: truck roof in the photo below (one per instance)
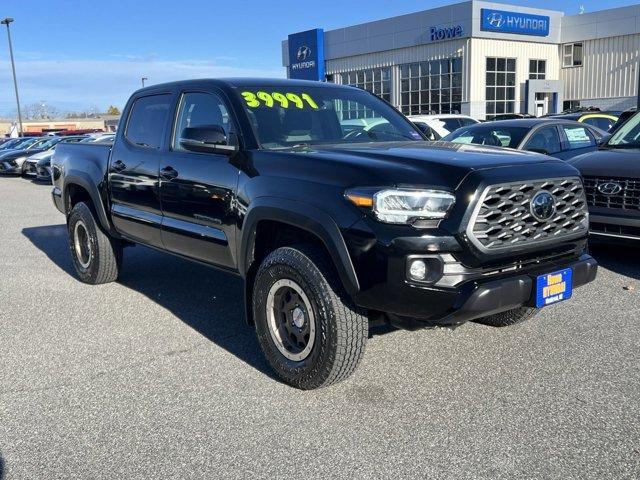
(233, 82)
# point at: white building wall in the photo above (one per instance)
(481, 48)
(608, 77)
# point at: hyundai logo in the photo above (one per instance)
(495, 19)
(610, 188)
(543, 206)
(304, 52)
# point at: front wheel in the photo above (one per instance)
(96, 256)
(310, 333)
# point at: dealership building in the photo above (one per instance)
(480, 59)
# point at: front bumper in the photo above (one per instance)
(614, 227)
(412, 306)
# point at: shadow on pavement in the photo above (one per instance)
(621, 259)
(1, 467)
(209, 301)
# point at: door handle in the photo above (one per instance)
(118, 165)
(168, 173)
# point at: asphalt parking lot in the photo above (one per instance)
(157, 376)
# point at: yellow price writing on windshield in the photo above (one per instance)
(278, 99)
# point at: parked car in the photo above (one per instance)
(327, 229)
(39, 164)
(12, 161)
(551, 136)
(601, 120)
(511, 116)
(427, 131)
(14, 143)
(612, 184)
(444, 124)
(624, 116)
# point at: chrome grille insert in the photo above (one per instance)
(502, 217)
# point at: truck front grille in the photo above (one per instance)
(503, 216)
(616, 193)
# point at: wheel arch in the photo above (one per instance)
(316, 224)
(79, 186)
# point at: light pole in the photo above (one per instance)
(6, 22)
(143, 80)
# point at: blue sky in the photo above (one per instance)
(75, 54)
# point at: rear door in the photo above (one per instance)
(133, 172)
(198, 189)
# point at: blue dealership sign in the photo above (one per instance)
(514, 22)
(306, 55)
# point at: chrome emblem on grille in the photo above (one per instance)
(543, 206)
(610, 188)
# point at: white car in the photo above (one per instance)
(443, 124)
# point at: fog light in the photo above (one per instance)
(418, 270)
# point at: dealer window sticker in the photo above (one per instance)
(278, 99)
(577, 134)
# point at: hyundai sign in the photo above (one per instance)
(513, 22)
(306, 55)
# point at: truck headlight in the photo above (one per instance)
(404, 205)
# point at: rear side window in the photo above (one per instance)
(603, 123)
(147, 120)
(451, 124)
(578, 137)
(546, 139)
(465, 122)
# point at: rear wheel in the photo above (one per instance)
(510, 317)
(96, 256)
(308, 330)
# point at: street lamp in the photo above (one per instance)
(143, 80)
(6, 22)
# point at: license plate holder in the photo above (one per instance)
(554, 287)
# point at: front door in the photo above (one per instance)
(133, 172)
(198, 189)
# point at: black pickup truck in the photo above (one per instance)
(332, 223)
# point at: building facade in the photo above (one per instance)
(480, 59)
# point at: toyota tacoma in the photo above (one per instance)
(332, 228)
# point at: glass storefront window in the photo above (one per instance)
(537, 69)
(376, 81)
(431, 87)
(500, 81)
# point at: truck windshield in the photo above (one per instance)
(286, 117)
(628, 135)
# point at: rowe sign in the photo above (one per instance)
(444, 33)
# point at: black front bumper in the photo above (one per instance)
(412, 306)
(497, 296)
(610, 226)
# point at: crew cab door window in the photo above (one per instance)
(147, 120)
(546, 139)
(198, 109)
(578, 137)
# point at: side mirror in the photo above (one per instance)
(538, 150)
(206, 139)
(604, 140)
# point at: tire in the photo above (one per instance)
(510, 317)
(335, 344)
(96, 257)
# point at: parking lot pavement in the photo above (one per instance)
(157, 376)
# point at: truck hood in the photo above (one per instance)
(409, 163)
(609, 163)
